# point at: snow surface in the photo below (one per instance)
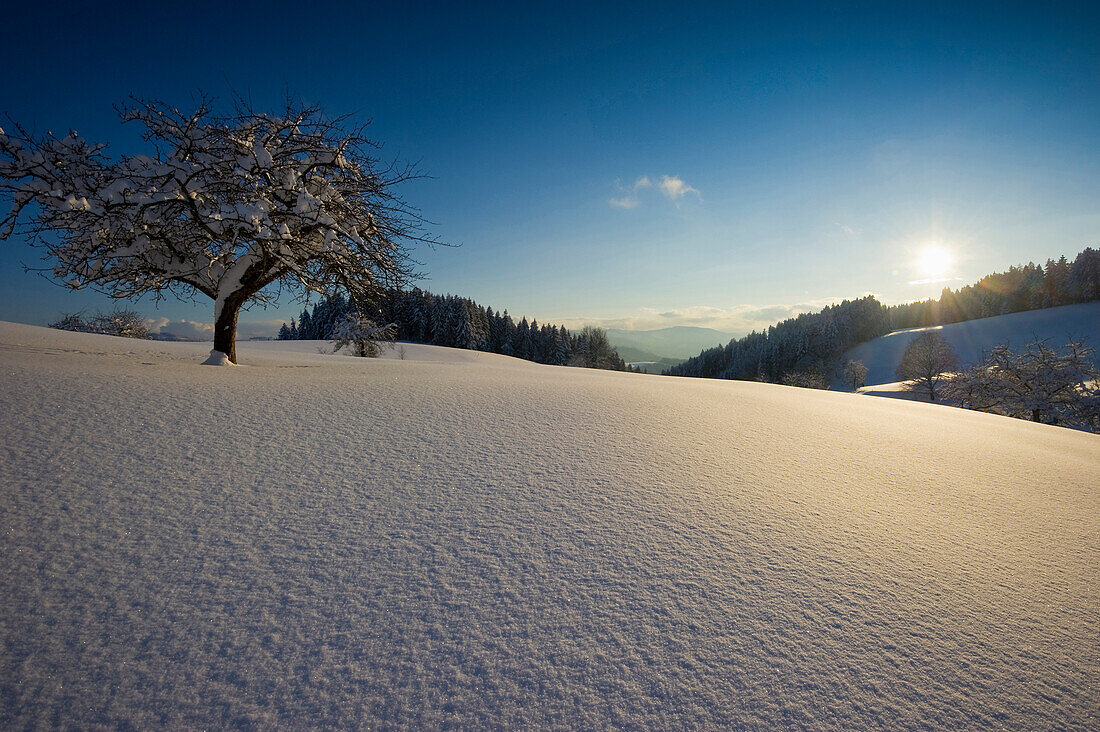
(469, 540)
(972, 339)
(895, 389)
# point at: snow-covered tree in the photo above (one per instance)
(926, 363)
(236, 207)
(1040, 384)
(361, 334)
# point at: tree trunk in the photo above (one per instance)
(225, 326)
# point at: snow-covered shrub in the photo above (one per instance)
(72, 321)
(125, 323)
(362, 335)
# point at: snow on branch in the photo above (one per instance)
(224, 205)
(1040, 384)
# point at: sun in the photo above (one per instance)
(934, 261)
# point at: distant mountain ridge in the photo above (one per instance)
(677, 342)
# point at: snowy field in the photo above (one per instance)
(460, 539)
(974, 338)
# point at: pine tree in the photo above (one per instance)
(305, 327)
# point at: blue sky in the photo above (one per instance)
(640, 164)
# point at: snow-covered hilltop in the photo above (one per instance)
(458, 538)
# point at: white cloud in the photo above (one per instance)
(193, 330)
(624, 202)
(670, 186)
(675, 188)
(737, 319)
(189, 330)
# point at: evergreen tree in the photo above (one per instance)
(305, 327)
(448, 320)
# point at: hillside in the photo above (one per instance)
(971, 338)
(469, 540)
(649, 363)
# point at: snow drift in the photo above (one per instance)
(463, 539)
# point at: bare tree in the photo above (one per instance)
(855, 374)
(229, 206)
(926, 362)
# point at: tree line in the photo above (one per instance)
(458, 322)
(1030, 287)
(806, 349)
(809, 345)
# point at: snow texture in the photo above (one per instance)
(461, 539)
(972, 339)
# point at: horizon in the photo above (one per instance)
(713, 167)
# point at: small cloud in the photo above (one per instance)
(624, 202)
(772, 313)
(670, 186)
(630, 199)
(675, 188)
(693, 315)
(845, 229)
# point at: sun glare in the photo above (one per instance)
(934, 261)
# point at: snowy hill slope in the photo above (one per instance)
(972, 338)
(478, 541)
